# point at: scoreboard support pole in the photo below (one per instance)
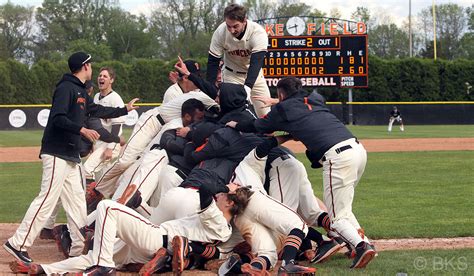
(349, 101)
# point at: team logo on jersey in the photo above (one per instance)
(240, 53)
(81, 101)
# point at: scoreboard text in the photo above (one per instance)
(338, 60)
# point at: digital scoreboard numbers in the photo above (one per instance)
(338, 60)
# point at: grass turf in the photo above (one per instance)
(411, 262)
(25, 138)
(412, 194)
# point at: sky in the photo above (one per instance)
(397, 10)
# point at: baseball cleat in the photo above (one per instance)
(248, 269)
(325, 250)
(63, 239)
(18, 266)
(228, 264)
(158, 262)
(19, 255)
(99, 271)
(46, 234)
(364, 254)
(180, 254)
(294, 269)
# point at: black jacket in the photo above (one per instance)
(308, 120)
(69, 108)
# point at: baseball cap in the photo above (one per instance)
(77, 60)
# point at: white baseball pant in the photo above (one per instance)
(341, 173)
(61, 179)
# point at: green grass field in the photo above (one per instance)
(25, 138)
(410, 194)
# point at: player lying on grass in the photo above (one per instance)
(144, 239)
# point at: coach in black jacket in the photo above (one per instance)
(60, 156)
(330, 145)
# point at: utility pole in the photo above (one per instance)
(434, 30)
(409, 28)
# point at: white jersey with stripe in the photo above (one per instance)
(112, 99)
(236, 52)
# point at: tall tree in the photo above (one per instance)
(259, 9)
(15, 31)
(388, 41)
(69, 20)
(450, 26)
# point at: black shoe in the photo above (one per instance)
(99, 271)
(46, 234)
(325, 250)
(294, 269)
(364, 254)
(20, 255)
(63, 239)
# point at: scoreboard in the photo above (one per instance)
(326, 60)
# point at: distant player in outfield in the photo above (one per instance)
(242, 44)
(395, 115)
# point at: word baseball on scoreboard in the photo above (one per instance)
(318, 60)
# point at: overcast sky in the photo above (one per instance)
(396, 9)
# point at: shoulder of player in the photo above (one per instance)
(254, 27)
(221, 29)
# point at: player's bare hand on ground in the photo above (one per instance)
(131, 106)
(181, 67)
(173, 76)
(233, 187)
(267, 101)
(90, 134)
(107, 154)
(182, 132)
(231, 124)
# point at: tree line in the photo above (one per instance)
(409, 79)
(60, 27)
(34, 44)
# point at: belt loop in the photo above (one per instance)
(160, 119)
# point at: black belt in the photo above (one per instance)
(232, 70)
(160, 119)
(181, 174)
(339, 150)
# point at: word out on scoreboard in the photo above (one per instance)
(338, 60)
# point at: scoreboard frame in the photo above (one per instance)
(318, 59)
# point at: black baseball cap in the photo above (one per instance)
(77, 60)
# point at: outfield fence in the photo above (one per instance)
(363, 113)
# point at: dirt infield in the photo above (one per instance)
(46, 251)
(30, 154)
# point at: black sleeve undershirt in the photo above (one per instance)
(256, 63)
(212, 67)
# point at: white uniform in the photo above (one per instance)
(236, 55)
(289, 184)
(94, 163)
(341, 174)
(61, 180)
(148, 126)
(172, 92)
(143, 237)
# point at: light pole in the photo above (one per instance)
(434, 30)
(409, 29)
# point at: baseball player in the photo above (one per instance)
(242, 44)
(103, 152)
(182, 84)
(395, 115)
(329, 145)
(145, 239)
(60, 156)
(147, 127)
